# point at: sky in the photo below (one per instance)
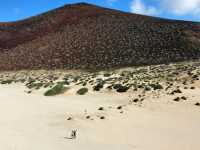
(13, 10)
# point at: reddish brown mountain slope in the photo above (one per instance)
(84, 36)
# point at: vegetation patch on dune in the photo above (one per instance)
(98, 87)
(6, 82)
(82, 91)
(120, 88)
(56, 90)
(156, 86)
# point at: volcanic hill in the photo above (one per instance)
(84, 36)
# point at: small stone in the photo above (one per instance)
(184, 98)
(69, 118)
(177, 99)
(136, 100)
(29, 92)
(142, 99)
(101, 108)
(87, 117)
(119, 107)
(102, 117)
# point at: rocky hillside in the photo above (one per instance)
(84, 36)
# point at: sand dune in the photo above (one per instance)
(30, 122)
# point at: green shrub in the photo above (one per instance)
(65, 82)
(58, 89)
(34, 85)
(98, 87)
(6, 82)
(116, 86)
(38, 85)
(156, 86)
(48, 84)
(120, 88)
(107, 75)
(82, 91)
(147, 88)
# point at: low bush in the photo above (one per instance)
(147, 88)
(107, 75)
(98, 87)
(156, 86)
(58, 89)
(120, 88)
(6, 82)
(35, 85)
(82, 91)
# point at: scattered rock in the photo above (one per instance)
(142, 99)
(177, 99)
(69, 118)
(178, 91)
(119, 107)
(102, 117)
(101, 108)
(136, 100)
(29, 92)
(87, 117)
(184, 98)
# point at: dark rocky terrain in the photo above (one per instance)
(83, 36)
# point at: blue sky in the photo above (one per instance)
(12, 10)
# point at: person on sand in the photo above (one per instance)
(73, 134)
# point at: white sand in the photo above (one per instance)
(35, 122)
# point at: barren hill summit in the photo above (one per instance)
(85, 36)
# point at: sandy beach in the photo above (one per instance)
(36, 122)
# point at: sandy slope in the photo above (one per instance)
(35, 122)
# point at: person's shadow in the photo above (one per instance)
(73, 135)
(69, 138)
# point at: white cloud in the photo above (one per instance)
(181, 7)
(173, 7)
(137, 6)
